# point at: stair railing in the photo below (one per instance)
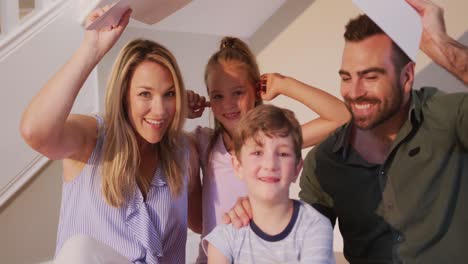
(21, 19)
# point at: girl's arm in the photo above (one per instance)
(332, 111)
(46, 124)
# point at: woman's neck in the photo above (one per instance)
(148, 163)
(272, 218)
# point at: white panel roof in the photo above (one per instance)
(239, 18)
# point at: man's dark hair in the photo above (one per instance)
(363, 27)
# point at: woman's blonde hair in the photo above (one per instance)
(121, 157)
(233, 50)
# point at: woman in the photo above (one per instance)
(125, 189)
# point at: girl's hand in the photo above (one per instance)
(270, 85)
(196, 104)
(102, 40)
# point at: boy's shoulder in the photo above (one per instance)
(225, 237)
(228, 232)
(229, 228)
(310, 215)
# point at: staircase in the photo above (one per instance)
(36, 39)
(13, 13)
(19, 19)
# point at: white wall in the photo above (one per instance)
(28, 222)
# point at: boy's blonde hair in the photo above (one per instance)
(120, 155)
(273, 122)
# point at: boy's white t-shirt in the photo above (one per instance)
(308, 238)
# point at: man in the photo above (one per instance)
(396, 176)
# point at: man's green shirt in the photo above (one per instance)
(413, 208)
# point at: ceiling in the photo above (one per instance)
(239, 18)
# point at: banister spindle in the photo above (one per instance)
(9, 15)
(41, 3)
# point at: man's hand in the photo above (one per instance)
(240, 214)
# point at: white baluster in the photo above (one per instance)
(9, 15)
(41, 3)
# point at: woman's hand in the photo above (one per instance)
(102, 40)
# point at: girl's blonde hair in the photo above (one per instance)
(121, 157)
(233, 50)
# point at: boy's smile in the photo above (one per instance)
(269, 179)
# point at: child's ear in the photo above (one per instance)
(236, 165)
(298, 169)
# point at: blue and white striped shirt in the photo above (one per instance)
(151, 231)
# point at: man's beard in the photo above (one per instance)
(382, 115)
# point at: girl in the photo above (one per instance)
(124, 195)
(232, 79)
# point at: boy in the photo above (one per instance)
(268, 158)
